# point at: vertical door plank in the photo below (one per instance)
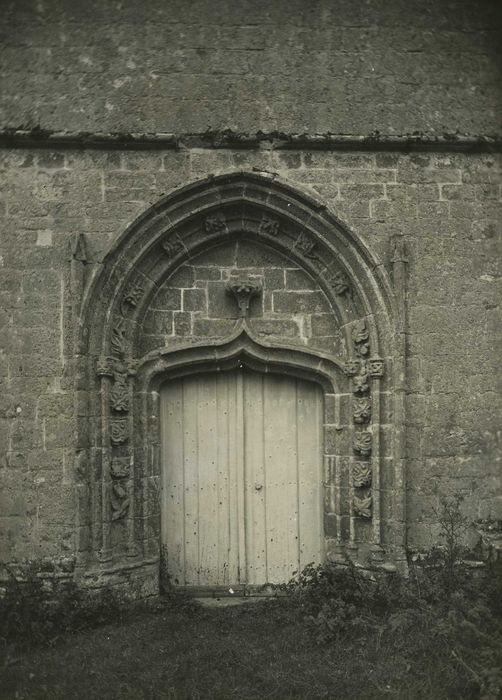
(207, 480)
(224, 565)
(173, 516)
(280, 486)
(191, 467)
(234, 440)
(256, 544)
(309, 425)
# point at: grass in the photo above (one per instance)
(261, 650)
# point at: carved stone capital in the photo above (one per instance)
(376, 367)
(244, 291)
(104, 366)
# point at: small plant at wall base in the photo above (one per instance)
(445, 611)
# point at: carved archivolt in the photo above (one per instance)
(119, 432)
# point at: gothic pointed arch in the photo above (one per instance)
(118, 451)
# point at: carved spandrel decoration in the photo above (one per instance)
(362, 410)
(361, 474)
(244, 291)
(363, 443)
(362, 506)
(269, 226)
(360, 336)
(118, 431)
(119, 500)
(215, 223)
(173, 245)
(375, 367)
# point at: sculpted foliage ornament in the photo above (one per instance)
(375, 367)
(351, 367)
(362, 506)
(361, 474)
(117, 341)
(362, 410)
(133, 295)
(119, 500)
(308, 247)
(339, 282)
(215, 223)
(270, 226)
(119, 394)
(104, 366)
(120, 467)
(361, 383)
(360, 336)
(118, 430)
(173, 246)
(362, 443)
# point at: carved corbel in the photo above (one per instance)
(244, 291)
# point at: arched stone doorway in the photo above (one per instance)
(238, 270)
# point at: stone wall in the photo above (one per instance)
(447, 207)
(345, 67)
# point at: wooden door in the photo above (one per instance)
(241, 498)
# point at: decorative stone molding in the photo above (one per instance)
(117, 342)
(309, 249)
(363, 443)
(362, 506)
(119, 394)
(339, 281)
(351, 367)
(361, 474)
(244, 291)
